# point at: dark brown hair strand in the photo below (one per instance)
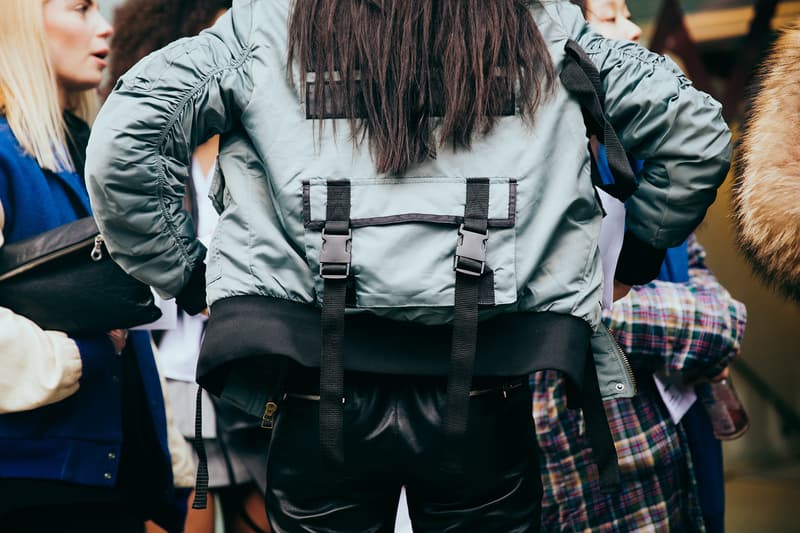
(405, 68)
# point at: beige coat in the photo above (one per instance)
(38, 367)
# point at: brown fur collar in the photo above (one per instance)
(766, 198)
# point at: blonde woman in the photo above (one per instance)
(82, 430)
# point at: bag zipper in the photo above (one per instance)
(625, 362)
(97, 251)
(96, 254)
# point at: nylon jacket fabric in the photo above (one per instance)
(273, 163)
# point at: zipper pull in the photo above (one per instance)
(97, 252)
(268, 420)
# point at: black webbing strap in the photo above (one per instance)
(469, 265)
(201, 483)
(334, 268)
(598, 431)
(582, 79)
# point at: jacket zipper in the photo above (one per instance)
(96, 254)
(268, 420)
(625, 362)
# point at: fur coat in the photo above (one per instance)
(767, 193)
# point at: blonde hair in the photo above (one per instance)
(28, 89)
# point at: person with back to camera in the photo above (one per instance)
(82, 421)
(421, 167)
(236, 468)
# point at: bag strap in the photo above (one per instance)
(582, 79)
(334, 268)
(201, 482)
(469, 265)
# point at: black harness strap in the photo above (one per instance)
(201, 483)
(334, 268)
(469, 265)
(582, 79)
(597, 430)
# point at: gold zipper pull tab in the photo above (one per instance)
(97, 251)
(268, 420)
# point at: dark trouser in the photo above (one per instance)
(706, 452)
(102, 517)
(393, 438)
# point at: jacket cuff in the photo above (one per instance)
(192, 297)
(639, 263)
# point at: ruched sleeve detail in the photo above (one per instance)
(139, 153)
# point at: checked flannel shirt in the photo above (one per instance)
(693, 328)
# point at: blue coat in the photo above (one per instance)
(79, 439)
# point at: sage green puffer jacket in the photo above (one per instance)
(273, 165)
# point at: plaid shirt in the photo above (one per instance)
(693, 328)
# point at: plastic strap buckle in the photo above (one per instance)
(334, 258)
(470, 256)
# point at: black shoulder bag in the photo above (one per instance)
(64, 279)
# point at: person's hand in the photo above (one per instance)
(204, 312)
(697, 378)
(118, 338)
(620, 290)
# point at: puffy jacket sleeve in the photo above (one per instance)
(139, 152)
(38, 367)
(693, 328)
(664, 121)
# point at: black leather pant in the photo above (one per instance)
(393, 438)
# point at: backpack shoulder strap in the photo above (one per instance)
(582, 79)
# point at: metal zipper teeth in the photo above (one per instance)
(625, 362)
(45, 258)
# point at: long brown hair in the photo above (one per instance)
(407, 67)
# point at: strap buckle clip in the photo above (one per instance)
(334, 257)
(470, 258)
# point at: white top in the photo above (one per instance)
(612, 231)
